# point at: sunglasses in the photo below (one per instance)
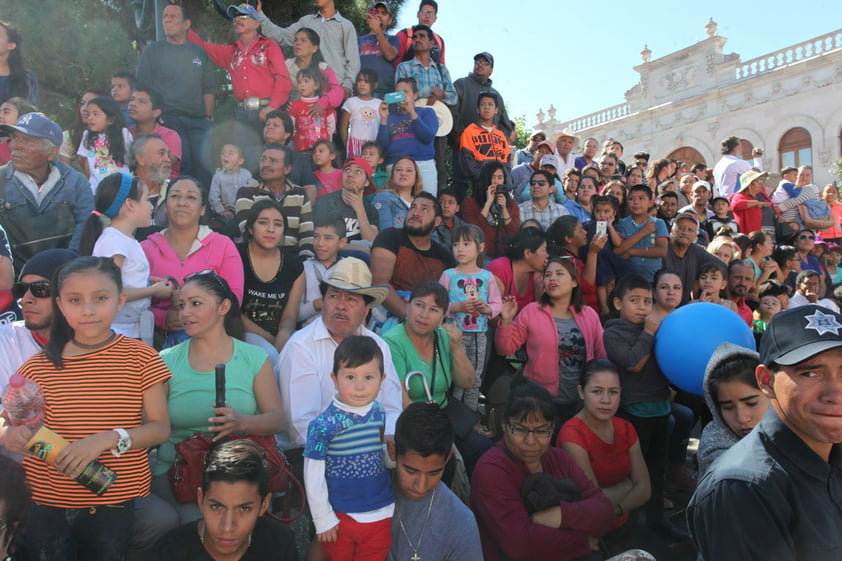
(210, 273)
(537, 139)
(806, 237)
(539, 182)
(39, 289)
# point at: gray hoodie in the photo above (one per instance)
(717, 437)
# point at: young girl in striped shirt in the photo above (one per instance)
(106, 395)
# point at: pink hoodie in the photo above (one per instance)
(210, 251)
(535, 326)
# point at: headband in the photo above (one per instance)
(123, 194)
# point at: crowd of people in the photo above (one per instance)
(367, 299)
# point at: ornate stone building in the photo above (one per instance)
(789, 102)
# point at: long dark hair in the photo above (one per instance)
(529, 238)
(79, 126)
(106, 192)
(254, 214)
(215, 284)
(19, 77)
(60, 330)
(484, 179)
(113, 132)
(560, 230)
(317, 57)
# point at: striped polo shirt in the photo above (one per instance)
(95, 392)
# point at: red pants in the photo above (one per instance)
(357, 541)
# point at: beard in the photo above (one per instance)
(419, 231)
(157, 174)
(36, 326)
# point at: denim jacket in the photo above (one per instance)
(71, 188)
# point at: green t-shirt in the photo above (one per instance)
(192, 394)
(406, 360)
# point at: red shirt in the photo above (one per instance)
(610, 461)
(749, 219)
(258, 70)
(831, 234)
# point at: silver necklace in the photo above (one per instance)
(415, 548)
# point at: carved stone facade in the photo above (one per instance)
(694, 97)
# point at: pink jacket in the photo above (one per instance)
(210, 251)
(535, 326)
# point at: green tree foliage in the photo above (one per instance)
(71, 45)
(522, 132)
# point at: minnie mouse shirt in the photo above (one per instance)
(462, 287)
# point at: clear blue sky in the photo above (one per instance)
(579, 55)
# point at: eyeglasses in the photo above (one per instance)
(806, 237)
(539, 182)
(524, 432)
(39, 289)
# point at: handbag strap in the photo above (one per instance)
(438, 360)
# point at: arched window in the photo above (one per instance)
(687, 154)
(796, 148)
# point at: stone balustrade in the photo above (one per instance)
(601, 117)
(789, 55)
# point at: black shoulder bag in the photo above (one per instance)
(462, 417)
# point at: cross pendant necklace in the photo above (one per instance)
(415, 548)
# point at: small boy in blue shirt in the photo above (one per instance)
(786, 189)
(639, 237)
(344, 471)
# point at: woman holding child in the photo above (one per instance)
(307, 51)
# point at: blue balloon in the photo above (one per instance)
(688, 336)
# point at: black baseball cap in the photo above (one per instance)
(798, 334)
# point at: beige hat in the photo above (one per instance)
(750, 177)
(353, 275)
(567, 132)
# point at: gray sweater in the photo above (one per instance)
(626, 344)
(716, 436)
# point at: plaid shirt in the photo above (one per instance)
(545, 217)
(434, 76)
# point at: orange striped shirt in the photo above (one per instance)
(95, 392)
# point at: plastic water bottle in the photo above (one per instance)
(24, 402)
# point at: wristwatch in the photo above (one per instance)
(124, 442)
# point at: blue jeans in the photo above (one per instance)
(87, 534)
(195, 145)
